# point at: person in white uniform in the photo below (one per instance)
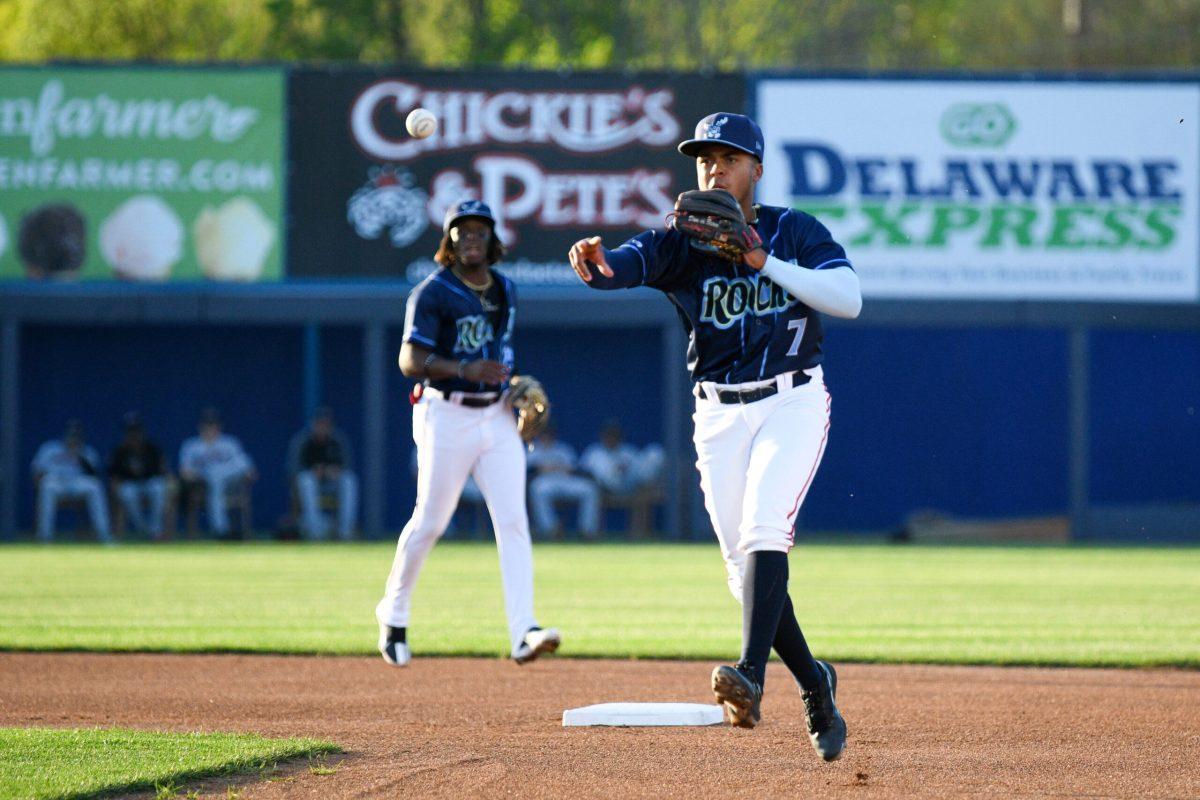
(69, 468)
(458, 332)
(762, 410)
(218, 461)
(622, 468)
(555, 478)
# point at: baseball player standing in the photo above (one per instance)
(458, 338)
(748, 281)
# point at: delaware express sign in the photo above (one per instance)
(995, 190)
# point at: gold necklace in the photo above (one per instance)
(476, 287)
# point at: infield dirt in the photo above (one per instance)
(487, 728)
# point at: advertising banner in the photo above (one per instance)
(141, 174)
(1006, 190)
(555, 156)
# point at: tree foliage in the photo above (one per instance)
(712, 34)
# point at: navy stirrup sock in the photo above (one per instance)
(764, 594)
(793, 649)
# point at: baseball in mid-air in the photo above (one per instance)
(421, 123)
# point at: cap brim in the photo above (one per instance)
(691, 147)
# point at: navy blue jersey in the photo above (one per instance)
(742, 327)
(452, 321)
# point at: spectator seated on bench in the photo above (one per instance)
(322, 478)
(216, 473)
(555, 478)
(630, 478)
(141, 482)
(68, 470)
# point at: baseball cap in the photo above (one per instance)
(735, 130)
(467, 208)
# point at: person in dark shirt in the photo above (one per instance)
(324, 466)
(139, 475)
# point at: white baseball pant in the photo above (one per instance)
(757, 462)
(454, 441)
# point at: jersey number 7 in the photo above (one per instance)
(796, 325)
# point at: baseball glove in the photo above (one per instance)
(714, 223)
(526, 395)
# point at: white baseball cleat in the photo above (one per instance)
(536, 642)
(394, 652)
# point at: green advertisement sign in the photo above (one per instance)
(141, 174)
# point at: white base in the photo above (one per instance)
(639, 714)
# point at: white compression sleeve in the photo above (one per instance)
(831, 291)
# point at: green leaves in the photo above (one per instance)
(585, 34)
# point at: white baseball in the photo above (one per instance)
(421, 123)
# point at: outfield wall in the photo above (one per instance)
(1029, 346)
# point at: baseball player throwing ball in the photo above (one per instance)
(458, 338)
(748, 281)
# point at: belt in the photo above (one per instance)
(468, 399)
(473, 402)
(781, 382)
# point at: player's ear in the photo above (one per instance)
(757, 171)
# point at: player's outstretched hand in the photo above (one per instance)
(484, 371)
(587, 254)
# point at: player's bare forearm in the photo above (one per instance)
(415, 362)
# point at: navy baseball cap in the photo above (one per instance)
(735, 130)
(465, 209)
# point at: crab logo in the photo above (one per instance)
(389, 201)
(714, 130)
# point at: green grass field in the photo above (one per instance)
(982, 605)
(45, 763)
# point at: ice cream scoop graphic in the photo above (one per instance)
(233, 240)
(142, 239)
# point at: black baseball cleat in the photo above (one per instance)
(740, 695)
(393, 647)
(826, 728)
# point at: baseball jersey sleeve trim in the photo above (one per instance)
(637, 250)
(835, 262)
(413, 336)
(832, 291)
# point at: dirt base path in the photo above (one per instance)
(474, 728)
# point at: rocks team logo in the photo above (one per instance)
(474, 331)
(727, 300)
(389, 201)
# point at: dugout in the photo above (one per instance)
(978, 410)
